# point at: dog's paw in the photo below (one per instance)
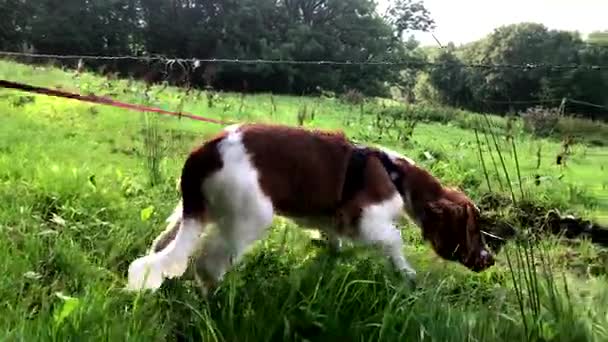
(333, 246)
(205, 284)
(175, 268)
(409, 277)
(145, 273)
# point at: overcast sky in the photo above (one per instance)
(462, 21)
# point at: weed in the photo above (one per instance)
(541, 121)
(302, 115)
(153, 148)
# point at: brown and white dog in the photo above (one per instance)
(239, 179)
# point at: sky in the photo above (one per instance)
(462, 21)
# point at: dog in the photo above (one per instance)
(246, 174)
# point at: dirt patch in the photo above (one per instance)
(501, 219)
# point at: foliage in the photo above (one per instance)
(407, 15)
(541, 121)
(508, 89)
(244, 29)
(449, 78)
(599, 38)
(353, 97)
(345, 30)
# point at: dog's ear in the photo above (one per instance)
(440, 228)
(472, 227)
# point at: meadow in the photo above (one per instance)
(85, 189)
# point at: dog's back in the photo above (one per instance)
(301, 171)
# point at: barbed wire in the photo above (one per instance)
(196, 62)
(523, 101)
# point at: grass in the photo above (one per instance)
(84, 190)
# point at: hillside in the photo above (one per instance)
(86, 188)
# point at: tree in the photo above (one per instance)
(408, 15)
(598, 38)
(506, 85)
(449, 78)
(520, 44)
(13, 25)
(503, 88)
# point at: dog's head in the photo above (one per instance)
(451, 224)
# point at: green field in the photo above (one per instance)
(85, 189)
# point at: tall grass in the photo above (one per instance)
(85, 194)
(588, 131)
(545, 306)
(152, 142)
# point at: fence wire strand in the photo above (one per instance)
(195, 62)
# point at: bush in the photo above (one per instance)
(353, 97)
(540, 121)
(594, 133)
(546, 122)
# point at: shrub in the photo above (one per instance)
(593, 132)
(540, 121)
(352, 97)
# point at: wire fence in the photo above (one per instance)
(195, 62)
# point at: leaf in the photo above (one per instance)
(146, 213)
(92, 180)
(48, 232)
(32, 275)
(69, 305)
(58, 220)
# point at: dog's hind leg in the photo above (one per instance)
(223, 247)
(148, 272)
(332, 239)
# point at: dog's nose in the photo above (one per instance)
(486, 258)
(489, 260)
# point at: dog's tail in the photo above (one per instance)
(201, 163)
(173, 223)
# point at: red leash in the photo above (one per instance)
(103, 100)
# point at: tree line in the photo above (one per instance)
(234, 29)
(342, 30)
(502, 90)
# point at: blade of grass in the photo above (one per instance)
(502, 161)
(498, 177)
(521, 188)
(482, 161)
